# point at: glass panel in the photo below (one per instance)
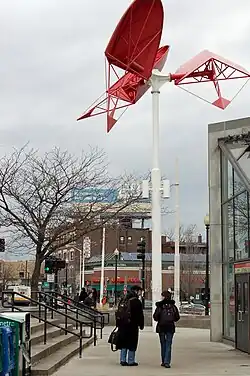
(229, 301)
(228, 232)
(238, 186)
(245, 297)
(240, 211)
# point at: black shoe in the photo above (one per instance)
(167, 366)
(123, 364)
(133, 364)
(162, 365)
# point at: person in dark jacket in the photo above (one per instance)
(94, 291)
(166, 314)
(129, 330)
(89, 301)
(83, 295)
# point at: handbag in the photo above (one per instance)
(113, 339)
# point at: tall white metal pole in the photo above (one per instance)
(177, 240)
(102, 266)
(80, 277)
(156, 198)
(83, 268)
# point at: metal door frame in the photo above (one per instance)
(247, 275)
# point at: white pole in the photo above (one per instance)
(80, 276)
(102, 267)
(156, 199)
(177, 240)
(83, 268)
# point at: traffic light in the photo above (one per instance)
(2, 245)
(53, 264)
(141, 249)
(49, 264)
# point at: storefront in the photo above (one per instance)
(229, 187)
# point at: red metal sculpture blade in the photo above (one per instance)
(126, 91)
(136, 39)
(209, 67)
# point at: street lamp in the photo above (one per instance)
(116, 253)
(207, 225)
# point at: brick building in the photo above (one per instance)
(129, 268)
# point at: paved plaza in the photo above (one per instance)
(193, 354)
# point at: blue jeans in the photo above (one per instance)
(166, 340)
(127, 353)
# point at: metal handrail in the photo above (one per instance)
(83, 306)
(46, 321)
(71, 308)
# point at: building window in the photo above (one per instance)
(72, 256)
(130, 239)
(65, 255)
(122, 240)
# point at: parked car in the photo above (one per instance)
(192, 309)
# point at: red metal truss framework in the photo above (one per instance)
(209, 67)
(134, 48)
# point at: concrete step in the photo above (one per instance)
(53, 362)
(52, 332)
(36, 326)
(40, 351)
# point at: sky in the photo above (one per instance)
(52, 69)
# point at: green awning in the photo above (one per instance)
(111, 287)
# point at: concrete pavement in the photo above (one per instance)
(193, 354)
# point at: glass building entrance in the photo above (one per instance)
(229, 185)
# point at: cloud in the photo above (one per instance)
(52, 69)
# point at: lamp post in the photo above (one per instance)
(116, 253)
(207, 225)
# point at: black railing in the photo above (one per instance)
(43, 313)
(83, 306)
(57, 305)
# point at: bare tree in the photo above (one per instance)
(192, 265)
(48, 201)
(7, 275)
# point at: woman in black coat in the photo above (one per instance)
(129, 330)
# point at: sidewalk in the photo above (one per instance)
(193, 354)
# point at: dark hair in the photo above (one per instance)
(166, 295)
(136, 288)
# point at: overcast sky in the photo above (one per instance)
(52, 69)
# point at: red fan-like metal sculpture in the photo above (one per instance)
(134, 50)
(127, 90)
(209, 67)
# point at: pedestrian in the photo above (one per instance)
(129, 318)
(89, 301)
(166, 314)
(94, 291)
(83, 295)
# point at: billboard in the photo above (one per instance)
(92, 195)
(109, 197)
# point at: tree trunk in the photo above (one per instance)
(35, 277)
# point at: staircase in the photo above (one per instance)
(58, 350)
(58, 334)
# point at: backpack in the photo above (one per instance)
(123, 313)
(167, 315)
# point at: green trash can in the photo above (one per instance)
(20, 324)
(1, 351)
